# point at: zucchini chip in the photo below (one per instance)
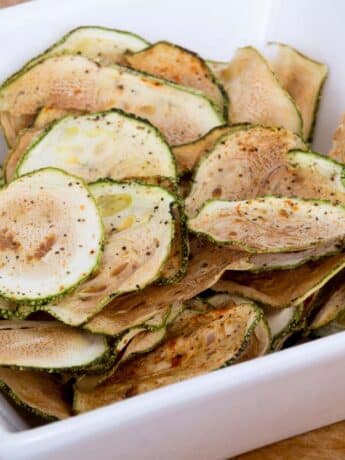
(285, 288)
(195, 344)
(261, 339)
(137, 340)
(271, 224)
(38, 392)
(182, 66)
(338, 149)
(255, 95)
(303, 78)
(48, 345)
(187, 155)
(100, 44)
(331, 316)
(109, 144)
(285, 260)
(283, 323)
(312, 175)
(139, 228)
(245, 163)
(144, 342)
(45, 249)
(76, 83)
(206, 265)
(25, 139)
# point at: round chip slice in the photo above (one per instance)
(109, 144)
(51, 235)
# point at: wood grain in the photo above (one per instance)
(324, 444)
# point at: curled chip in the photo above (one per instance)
(108, 144)
(76, 83)
(303, 78)
(195, 344)
(271, 224)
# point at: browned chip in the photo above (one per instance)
(179, 65)
(282, 288)
(196, 343)
(37, 391)
(206, 265)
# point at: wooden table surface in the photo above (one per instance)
(324, 444)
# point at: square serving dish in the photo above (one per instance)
(248, 405)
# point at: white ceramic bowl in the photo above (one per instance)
(248, 405)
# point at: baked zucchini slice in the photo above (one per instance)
(109, 144)
(271, 224)
(303, 78)
(135, 341)
(45, 249)
(337, 151)
(48, 345)
(255, 95)
(245, 163)
(100, 44)
(331, 316)
(206, 264)
(139, 228)
(37, 392)
(282, 288)
(182, 66)
(261, 339)
(76, 83)
(285, 260)
(195, 344)
(25, 138)
(283, 323)
(312, 175)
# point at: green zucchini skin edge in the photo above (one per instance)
(205, 67)
(120, 112)
(185, 248)
(32, 62)
(43, 301)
